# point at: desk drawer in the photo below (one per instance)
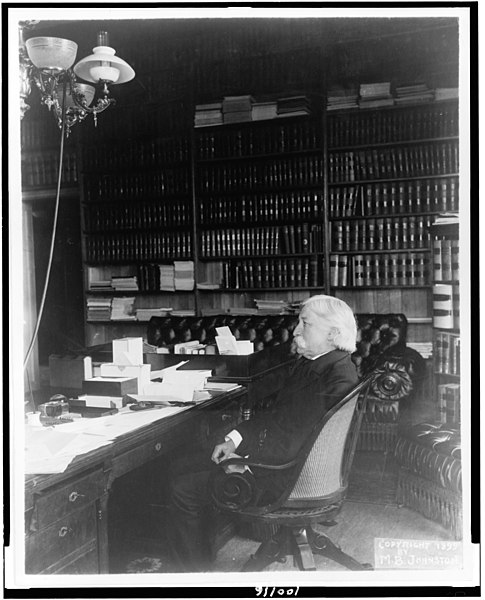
(56, 502)
(149, 450)
(44, 548)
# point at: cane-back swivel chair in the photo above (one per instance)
(315, 493)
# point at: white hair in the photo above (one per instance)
(339, 314)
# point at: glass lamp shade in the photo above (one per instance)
(103, 64)
(81, 88)
(51, 53)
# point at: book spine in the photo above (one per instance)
(443, 306)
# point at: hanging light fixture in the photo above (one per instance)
(48, 62)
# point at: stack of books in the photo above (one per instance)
(339, 98)
(292, 106)
(167, 278)
(264, 110)
(237, 108)
(413, 93)
(184, 275)
(276, 307)
(375, 95)
(122, 309)
(208, 114)
(123, 284)
(103, 285)
(424, 348)
(446, 93)
(183, 312)
(145, 314)
(99, 309)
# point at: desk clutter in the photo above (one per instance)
(110, 390)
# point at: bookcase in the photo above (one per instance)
(259, 190)
(340, 202)
(446, 318)
(390, 172)
(137, 222)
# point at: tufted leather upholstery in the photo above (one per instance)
(430, 473)
(381, 347)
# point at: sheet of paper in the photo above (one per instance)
(223, 331)
(221, 386)
(226, 344)
(160, 373)
(170, 391)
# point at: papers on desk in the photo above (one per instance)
(50, 450)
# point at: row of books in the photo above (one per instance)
(42, 169)
(449, 403)
(36, 133)
(440, 158)
(387, 233)
(140, 215)
(427, 195)
(136, 153)
(284, 239)
(297, 136)
(150, 278)
(379, 270)
(380, 127)
(447, 353)
(112, 248)
(166, 181)
(294, 206)
(270, 274)
(297, 171)
(446, 260)
(446, 306)
(236, 109)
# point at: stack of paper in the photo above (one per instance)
(375, 95)
(264, 110)
(102, 285)
(184, 275)
(292, 106)
(98, 309)
(227, 343)
(122, 309)
(124, 283)
(145, 314)
(445, 93)
(237, 108)
(278, 307)
(339, 98)
(208, 114)
(167, 278)
(413, 93)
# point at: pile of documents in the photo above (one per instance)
(184, 275)
(99, 308)
(122, 309)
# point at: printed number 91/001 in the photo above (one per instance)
(268, 592)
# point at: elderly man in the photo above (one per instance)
(324, 339)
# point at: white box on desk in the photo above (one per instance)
(128, 351)
(141, 372)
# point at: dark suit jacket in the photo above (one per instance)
(310, 390)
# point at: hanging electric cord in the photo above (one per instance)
(54, 229)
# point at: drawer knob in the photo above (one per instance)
(158, 446)
(63, 531)
(73, 496)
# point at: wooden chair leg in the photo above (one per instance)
(302, 551)
(274, 549)
(323, 545)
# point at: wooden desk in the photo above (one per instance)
(66, 514)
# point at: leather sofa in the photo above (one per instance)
(430, 473)
(381, 348)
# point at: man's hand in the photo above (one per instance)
(222, 451)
